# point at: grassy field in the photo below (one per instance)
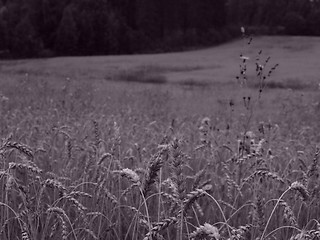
(212, 72)
(190, 145)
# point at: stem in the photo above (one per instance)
(146, 208)
(245, 205)
(9, 208)
(224, 217)
(159, 191)
(282, 227)
(274, 209)
(315, 220)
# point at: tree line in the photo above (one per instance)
(45, 28)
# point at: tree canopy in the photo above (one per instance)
(44, 28)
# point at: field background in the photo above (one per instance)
(202, 77)
(297, 55)
(127, 147)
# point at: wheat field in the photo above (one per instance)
(170, 146)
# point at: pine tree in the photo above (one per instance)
(52, 12)
(149, 19)
(233, 7)
(25, 41)
(3, 30)
(313, 22)
(86, 43)
(66, 41)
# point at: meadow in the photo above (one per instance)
(218, 143)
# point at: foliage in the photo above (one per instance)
(294, 23)
(38, 27)
(67, 33)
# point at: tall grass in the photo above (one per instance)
(73, 167)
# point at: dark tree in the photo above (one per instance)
(233, 11)
(294, 23)
(149, 18)
(313, 22)
(25, 40)
(52, 12)
(3, 30)
(86, 27)
(66, 41)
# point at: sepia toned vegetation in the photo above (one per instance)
(48, 28)
(130, 159)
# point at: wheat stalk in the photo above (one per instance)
(154, 166)
(63, 217)
(28, 167)
(264, 173)
(204, 231)
(288, 213)
(194, 195)
(240, 232)
(296, 186)
(129, 174)
(159, 226)
(21, 147)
